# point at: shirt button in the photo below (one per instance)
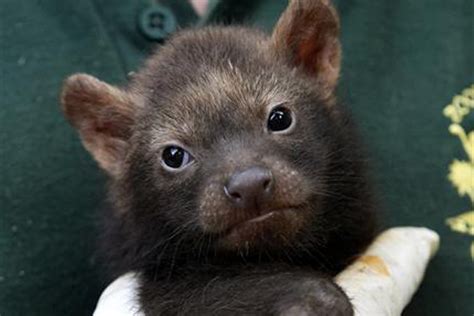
(157, 22)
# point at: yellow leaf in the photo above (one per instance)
(463, 223)
(461, 175)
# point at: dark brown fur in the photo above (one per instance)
(209, 91)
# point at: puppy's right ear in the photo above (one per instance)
(307, 35)
(103, 116)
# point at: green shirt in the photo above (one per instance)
(403, 63)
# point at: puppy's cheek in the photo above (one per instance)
(291, 186)
(213, 211)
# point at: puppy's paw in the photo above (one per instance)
(319, 297)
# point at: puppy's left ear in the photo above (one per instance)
(103, 115)
(307, 36)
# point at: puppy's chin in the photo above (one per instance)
(272, 229)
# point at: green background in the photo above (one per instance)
(403, 62)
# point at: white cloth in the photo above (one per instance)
(120, 298)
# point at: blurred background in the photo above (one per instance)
(403, 62)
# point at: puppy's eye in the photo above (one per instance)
(280, 119)
(175, 157)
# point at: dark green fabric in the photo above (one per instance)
(403, 62)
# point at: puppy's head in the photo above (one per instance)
(225, 136)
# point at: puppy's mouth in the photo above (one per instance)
(272, 226)
(260, 218)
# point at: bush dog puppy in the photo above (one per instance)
(237, 183)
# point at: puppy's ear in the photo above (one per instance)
(307, 35)
(103, 115)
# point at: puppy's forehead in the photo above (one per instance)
(204, 83)
(222, 101)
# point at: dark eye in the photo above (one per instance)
(279, 119)
(175, 157)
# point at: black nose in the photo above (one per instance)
(250, 187)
